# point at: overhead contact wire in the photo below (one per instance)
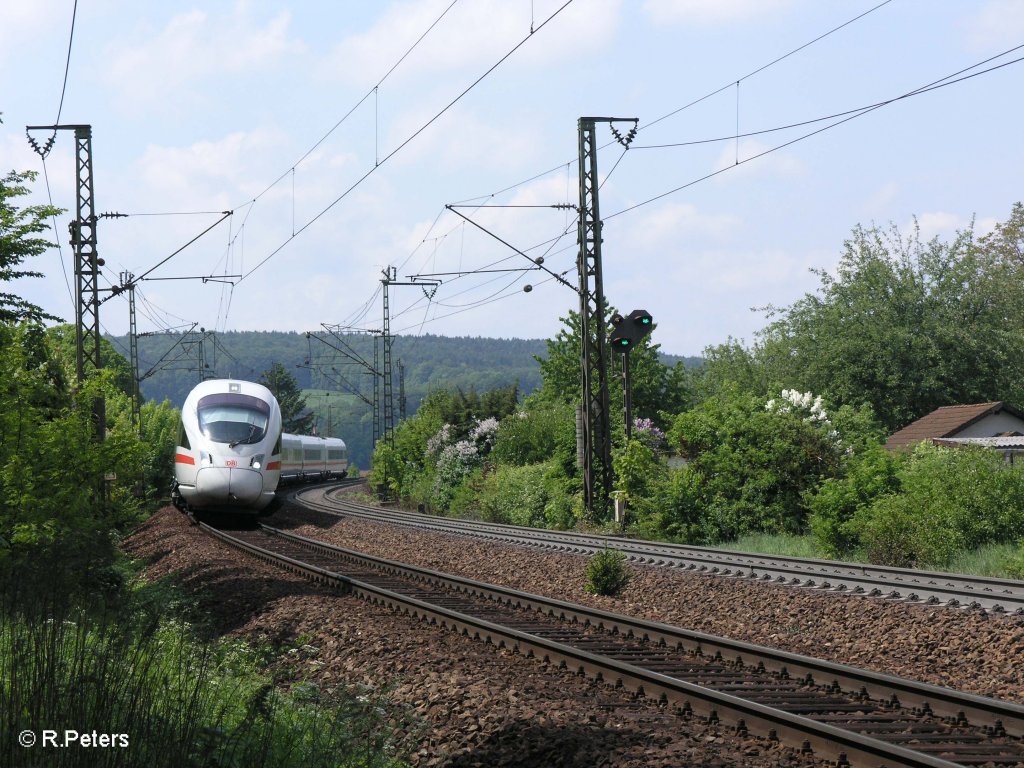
(401, 146)
(934, 85)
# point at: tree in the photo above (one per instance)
(729, 365)
(1006, 241)
(19, 230)
(295, 415)
(907, 326)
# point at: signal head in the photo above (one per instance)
(627, 332)
(641, 317)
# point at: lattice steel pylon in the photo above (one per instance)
(389, 400)
(87, 262)
(390, 277)
(376, 390)
(596, 422)
(128, 280)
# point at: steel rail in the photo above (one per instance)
(910, 585)
(824, 739)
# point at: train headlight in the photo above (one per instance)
(257, 461)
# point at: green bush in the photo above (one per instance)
(638, 471)
(465, 497)
(563, 508)
(534, 433)
(869, 475)
(950, 500)
(1015, 567)
(607, 573)
(534, 495)
(675, 509)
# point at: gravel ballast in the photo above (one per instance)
(478, 705)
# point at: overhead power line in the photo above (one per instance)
(951, 79)
(358, 104)
(405, 143)
(67, 63)
(856, 112)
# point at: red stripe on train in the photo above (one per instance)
(273, 465)
(181, 458)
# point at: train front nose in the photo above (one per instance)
(230, 486)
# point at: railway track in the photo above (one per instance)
(910, 585)
(854, 717)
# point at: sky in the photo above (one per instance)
(337, 133)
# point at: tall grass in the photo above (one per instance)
(997, 560)
(775, 544)
(178, 700)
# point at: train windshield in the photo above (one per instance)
(233, 418)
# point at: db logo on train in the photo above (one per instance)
(230, 463)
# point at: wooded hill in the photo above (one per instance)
(338, 389)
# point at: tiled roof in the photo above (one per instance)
(943, 422)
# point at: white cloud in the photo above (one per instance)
(710, 12)
(471, 35)
(882, 197)
(985, 226)
(156, 66)
(751, 275)
(945, 225)
(998, 24)
(461, 140)
(940, 224)
(206, 167)
(23, 18)
(672, 221)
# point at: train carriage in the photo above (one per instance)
(308, 457)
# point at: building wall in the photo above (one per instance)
(992, 425)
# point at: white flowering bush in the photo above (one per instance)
(484, 433)
(457, 460)
(750, 465)
(439, 441)
(805, 405)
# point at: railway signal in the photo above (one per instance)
(630, 330)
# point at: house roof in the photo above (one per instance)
(946, 421)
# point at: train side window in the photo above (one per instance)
(183, 437)
(277, 446)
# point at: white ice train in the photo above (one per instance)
(232, 453)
